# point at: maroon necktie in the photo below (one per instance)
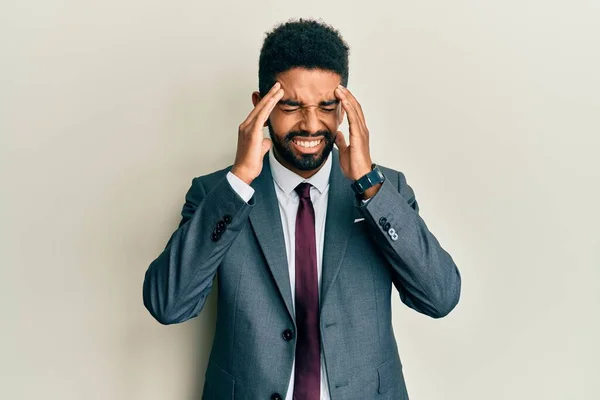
(307, 373)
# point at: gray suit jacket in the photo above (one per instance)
(250, 357)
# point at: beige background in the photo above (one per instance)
(109, 108)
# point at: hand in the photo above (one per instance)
(355, 159)
(252, 147)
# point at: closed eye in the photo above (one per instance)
(291, 110)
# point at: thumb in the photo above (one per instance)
(266, 145)
(340, 141)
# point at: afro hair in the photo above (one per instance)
(303, 43)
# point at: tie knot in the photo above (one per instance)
(303, 190)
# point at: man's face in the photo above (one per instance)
(304, 123)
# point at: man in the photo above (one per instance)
(306, 239)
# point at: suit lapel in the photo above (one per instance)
(265, 219)
(266, 222)
(338, 224)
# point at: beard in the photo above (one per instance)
(304, 162)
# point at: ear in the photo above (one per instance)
(255, 100)
(341, 113)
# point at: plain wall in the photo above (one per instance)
(108, 109)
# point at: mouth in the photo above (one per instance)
(305, 146)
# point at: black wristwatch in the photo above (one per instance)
(371, 179)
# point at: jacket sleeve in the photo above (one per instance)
(425, 275)
(179, 280)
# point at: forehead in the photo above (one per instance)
(308, 85)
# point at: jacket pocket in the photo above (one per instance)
(219, 384)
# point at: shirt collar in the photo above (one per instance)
(288, 180)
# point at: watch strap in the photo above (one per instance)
(368, 180)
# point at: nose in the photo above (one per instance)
(310, 120)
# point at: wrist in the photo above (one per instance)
(369, 184)
(362, 171)
(239, 172)
(370, 192)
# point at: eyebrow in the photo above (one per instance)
(294, 103)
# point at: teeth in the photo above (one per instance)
(306, 143)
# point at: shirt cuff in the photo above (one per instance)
(242, 188)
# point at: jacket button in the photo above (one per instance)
(218, 230)
(387, 226)
(214, 237)
(227, 219)
(276, 396)
(288, 334)
(382, 221)
(221, 224)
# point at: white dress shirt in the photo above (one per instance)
(285, 181)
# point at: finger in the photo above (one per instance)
(340, 141)
(272, 92)
(355, 118)
(353, 101)
(264, 113)
(351, 114)
(260, 105)
(258, 121)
